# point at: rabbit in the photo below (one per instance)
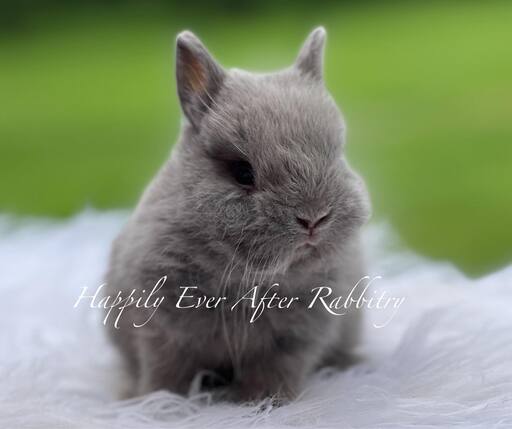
(256, 191)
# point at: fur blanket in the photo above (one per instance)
(444, 360)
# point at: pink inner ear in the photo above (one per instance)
(194, 72)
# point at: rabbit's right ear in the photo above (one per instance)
(198, 76)
(311, 56)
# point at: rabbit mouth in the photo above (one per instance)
(311, 240)
(307, 249)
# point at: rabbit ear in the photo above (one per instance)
(310, 59)
(198, 76)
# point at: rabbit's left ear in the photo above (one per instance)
(311, 56)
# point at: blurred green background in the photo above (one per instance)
(88, 109)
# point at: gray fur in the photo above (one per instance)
(199, 227)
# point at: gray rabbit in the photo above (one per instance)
(256, 192)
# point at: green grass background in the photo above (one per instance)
(88, 110)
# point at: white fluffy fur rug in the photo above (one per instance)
(445, 360)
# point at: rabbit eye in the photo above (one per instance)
(242, 172)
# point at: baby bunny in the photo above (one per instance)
(256, 192)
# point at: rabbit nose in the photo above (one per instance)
(311, 224)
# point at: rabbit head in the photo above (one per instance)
(262, 170)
